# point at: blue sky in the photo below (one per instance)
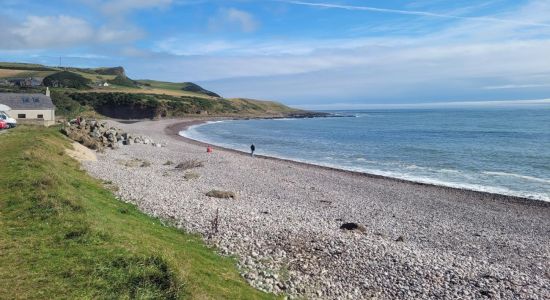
(314, 54)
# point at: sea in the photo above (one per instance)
(497, 150)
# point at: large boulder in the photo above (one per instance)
(96, 135)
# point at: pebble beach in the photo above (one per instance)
(413, 241)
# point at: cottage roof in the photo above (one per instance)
(26, 101)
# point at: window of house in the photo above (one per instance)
(40, 116)
(21, 116)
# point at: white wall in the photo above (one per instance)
(48, 114)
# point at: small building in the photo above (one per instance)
(26, 82)
(102, 84)
(5, 82)
(35, 109)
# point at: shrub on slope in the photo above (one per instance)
(191, 87)
(66, 79)
(122, 80)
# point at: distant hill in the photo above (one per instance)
(122, 80)
(24, 66)
(66, 79)
(174, 86)
(109, 92)
(191, 87)
(115, 71)
(111, 71)
(140, 106)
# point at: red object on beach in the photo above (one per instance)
(209, 149)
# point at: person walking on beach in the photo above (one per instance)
(252, 149)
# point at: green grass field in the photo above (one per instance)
(95, 77)
(162, 85)
(8, 73)
(64, 236)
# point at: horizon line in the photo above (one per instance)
(455, 104)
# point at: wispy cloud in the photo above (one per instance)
(416, 13)
(516, 86)
(113, 7)
(233, 17)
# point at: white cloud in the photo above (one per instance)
(44, 32)
(235, 18)
(458, 62)
(517, 86)
(113, 7)
(107, 34)
(417, 13)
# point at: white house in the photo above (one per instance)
(30, 108)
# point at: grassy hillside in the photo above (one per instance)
(138, 106)
(95, 77)
(122, 80)
(63, 235)
(183, 86)
(25, 66)
(66, 79)
(267, 107)
(78, 90)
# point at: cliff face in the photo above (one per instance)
(127, 111)
(147, 106)
(117, 71)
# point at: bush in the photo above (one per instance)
(67, 79)
(221, 194)
(191, 87)
(191, 176)
(65, 105)
(122, 80)
(190, 164)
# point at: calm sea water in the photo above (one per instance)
(504, 151)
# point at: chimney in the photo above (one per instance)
(47, 92)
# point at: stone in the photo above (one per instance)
(353, 227)
(97, 136)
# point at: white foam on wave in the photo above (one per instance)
(192, 133)
(285, 119)
(195, 135)
(450, 171)
(504, 174)
(425, 180)
(415, 167)
(460, 185)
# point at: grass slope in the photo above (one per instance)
(265, 107)
(122, 80)
(163, 99)
(25, 66)
(178, 86)
(66, 79)
(63, 235)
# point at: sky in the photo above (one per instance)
(311, 54)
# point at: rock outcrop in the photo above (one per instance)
(98, 135)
